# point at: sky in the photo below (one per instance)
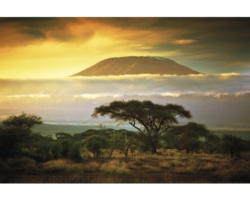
(59, 47)
(217, 100)
(37, 56)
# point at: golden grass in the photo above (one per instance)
(167, 160)
(115, 166)
(69, 166)
(173, 163)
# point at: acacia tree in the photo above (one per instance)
(23, 121)
(150, 120)
(16, 133)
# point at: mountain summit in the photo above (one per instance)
(136, 65)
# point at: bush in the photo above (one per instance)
(11, 142)
(213, 144)
(232, 145)
(189, 137)
(95, 144)
(74, 152)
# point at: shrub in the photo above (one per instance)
(232, 145)
(191, 137)
(95, 144)
(11, 142)
(74, 152)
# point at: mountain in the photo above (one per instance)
(136, 65)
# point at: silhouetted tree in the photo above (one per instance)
(15, 134)
(23, 121)
(232, 145)
(150, 119)
(191, 136)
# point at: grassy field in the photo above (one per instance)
(168, 166)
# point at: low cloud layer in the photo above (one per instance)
(128, 84)
(216, 100)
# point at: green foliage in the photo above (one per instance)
(41, 149)
(95, 144)
(170, 140)
(24, 121)
(123, 141)
(67, 147)
(148, 118)
(75, 152)
(232, 145)
(190, 137)
(213, 144)
(11, 141)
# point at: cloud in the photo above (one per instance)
(184, 41)
(26, 31)
(209, 45)
(222, 99)
(145, 84)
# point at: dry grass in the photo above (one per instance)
(115, 167)
(69, 166)
(166, 166)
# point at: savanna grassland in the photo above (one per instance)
(157, 150)
(167, 166)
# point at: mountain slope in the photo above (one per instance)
(136, 65)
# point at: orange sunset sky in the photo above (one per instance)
(59, 47)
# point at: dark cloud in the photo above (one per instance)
(22, 31)
(220, 44)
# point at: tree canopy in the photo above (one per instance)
(191, 135)
(148, 118)
(25, 121)
(95, 143)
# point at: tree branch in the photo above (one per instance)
(133, 124)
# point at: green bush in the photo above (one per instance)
(95, 144)
(75, 152)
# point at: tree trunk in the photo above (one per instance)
(154, 150)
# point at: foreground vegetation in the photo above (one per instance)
(159, 151)
(168, 166)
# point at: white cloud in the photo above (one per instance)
(223, 98)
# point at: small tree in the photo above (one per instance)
(232, 145)
(23, 121)
(191, 136)
(15, 134)
(123, 141)
(149, 119)
(95, 144)
(213, 144)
